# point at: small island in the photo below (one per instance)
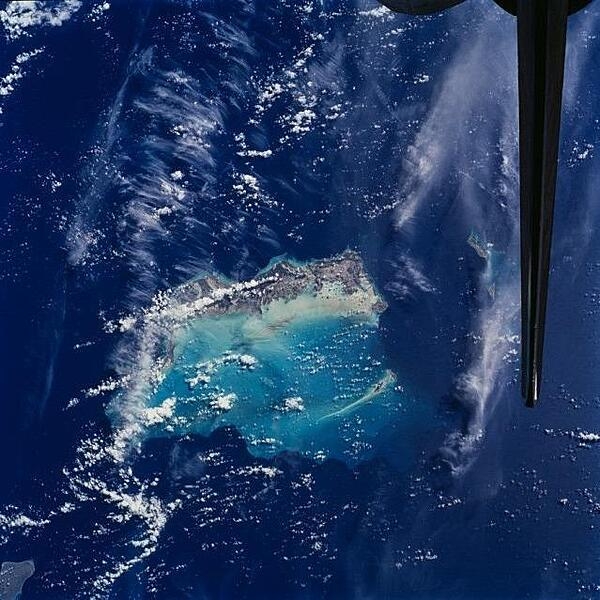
(12, 577)
(338, 285)
(292, 358)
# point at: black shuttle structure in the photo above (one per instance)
(542, 34)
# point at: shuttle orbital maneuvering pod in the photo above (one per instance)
(542, 34)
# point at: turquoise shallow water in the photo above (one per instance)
(315, 384)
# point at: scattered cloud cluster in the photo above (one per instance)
(20, 16)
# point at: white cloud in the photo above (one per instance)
(9, 82)
(408, 278)
(20, 16)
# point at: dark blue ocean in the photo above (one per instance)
(145, 144)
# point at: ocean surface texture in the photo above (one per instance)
(259, 307)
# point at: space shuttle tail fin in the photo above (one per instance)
(419, 7)
(542, 29)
